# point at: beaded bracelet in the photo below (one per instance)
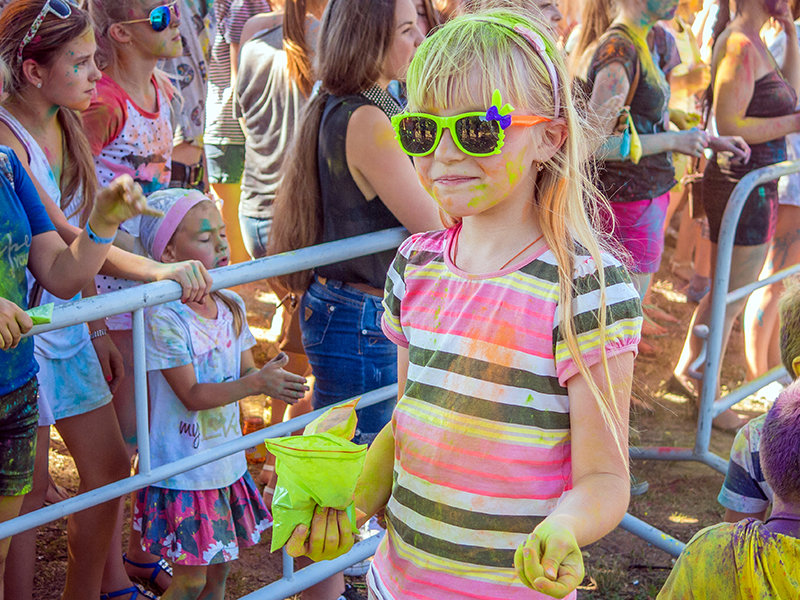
(96, 238)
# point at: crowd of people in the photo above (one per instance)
(536, 152)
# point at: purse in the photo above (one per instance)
(630, 146)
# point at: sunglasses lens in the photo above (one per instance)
(60, 8)
(159, 18)
(477, 135)
(417, 134)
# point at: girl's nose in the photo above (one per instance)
(447, 151)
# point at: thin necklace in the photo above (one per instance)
(454, 249)
(521, 252)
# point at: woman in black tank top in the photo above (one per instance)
(346, 175)
(751, 98)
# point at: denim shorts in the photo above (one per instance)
(225, 163)
(348, 351)
(19, 419)
(255, 233)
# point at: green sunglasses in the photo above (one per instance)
(474, 133)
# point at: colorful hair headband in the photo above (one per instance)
(156, 232)
(536, 41)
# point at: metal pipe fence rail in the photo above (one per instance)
(136, 299)
(721, 296)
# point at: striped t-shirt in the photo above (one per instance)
(222, 127)
(482, 431)
(745, 489)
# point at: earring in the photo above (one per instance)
(39, 85)
(540, 167)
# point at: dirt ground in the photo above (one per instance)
(681, 499)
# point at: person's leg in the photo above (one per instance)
(760, 317)
(216, 576)
(21, 561)
(229, 194)
(89, 532)
(19, 419)
(9, 508)
(749, 261)
(327, 589)
(187, 583)
(682, 264)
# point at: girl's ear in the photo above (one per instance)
(552, 137)
(119, 33)
(168, 256)
(33, 72)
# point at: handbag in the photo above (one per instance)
(631, 145)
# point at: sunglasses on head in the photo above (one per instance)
(60, 8)
(474, 133)
(160, 17)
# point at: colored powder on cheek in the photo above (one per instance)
(513, 170)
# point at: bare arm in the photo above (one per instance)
(550, 561)
(380, 168)
(272, 380)
(610, 90)
(375, 484)
(191, 275)
(64, 270)
(734, 83)
(791, 63)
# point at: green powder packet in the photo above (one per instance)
(321, 468)
(41, 314)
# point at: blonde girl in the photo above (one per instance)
(516, 336)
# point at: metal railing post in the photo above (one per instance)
(140, 391)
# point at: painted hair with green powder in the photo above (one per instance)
(461, 65)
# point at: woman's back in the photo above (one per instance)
(269, 103)
(345, 210)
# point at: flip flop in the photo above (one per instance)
(156, 566)
(131, 593)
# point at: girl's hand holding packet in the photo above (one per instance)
(317, 475)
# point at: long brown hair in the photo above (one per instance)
(353, 41)
(596, 18)
(298, 53)
(15, 21)
(104, 13)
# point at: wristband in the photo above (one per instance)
(97, 334)
(96, 238)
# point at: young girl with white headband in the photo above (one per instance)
(516, 335)
(199, 365)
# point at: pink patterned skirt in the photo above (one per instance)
(201, 527)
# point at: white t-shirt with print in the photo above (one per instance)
(177, 336)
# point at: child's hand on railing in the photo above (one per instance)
(276, 382)
(331, 535)
(191, 274)
(550, 560)
(13, 323)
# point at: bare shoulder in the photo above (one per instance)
(10, 139)
(260, 22)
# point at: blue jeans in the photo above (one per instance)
(348, 352)
(255, 233)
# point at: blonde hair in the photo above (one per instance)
(463, 63)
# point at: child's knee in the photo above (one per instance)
(188, 581)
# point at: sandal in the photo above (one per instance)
(156, 566)
(131, 593)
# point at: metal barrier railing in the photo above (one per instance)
(721, 296)
(135, 300)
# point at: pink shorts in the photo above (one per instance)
(639, 228)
